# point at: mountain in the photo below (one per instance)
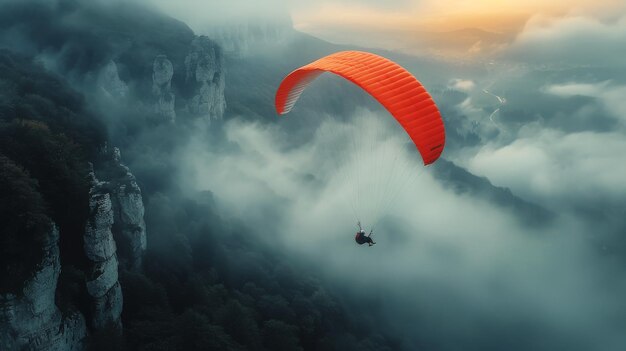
(58, 254)
(467, 42)
(464, 182)
(119, 52)
(249, 37)
(107, 258)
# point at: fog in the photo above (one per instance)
(204, 16)
(581, 39)
(448, 269)
(465, 257)
(550, 166)
(451, 267)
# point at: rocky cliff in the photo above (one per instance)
(253, 36)
(31, 319)
(102, 279)
(165, 100)
(204, 73)
(139, 66)
(110, 84)
(189, 86)
(124, 196)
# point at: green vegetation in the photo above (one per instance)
(46, 138)
(25, 225)
(209, 284)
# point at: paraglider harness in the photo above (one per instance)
(361, 238)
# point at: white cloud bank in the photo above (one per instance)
(612, 97)
(550, 167)
(462, 84)
(571, 40)
(444, 262)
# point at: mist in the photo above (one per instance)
(512, 240)
(452, 268)
(448, 269)
(204, 17)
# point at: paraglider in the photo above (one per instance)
(404, 97)
(361, 238)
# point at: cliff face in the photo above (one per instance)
(128, 227)
(32, 319)
(191, 87)
(102, 280)
(204, 72)
(110, 83)
(165, 104)
(134, 70)
(253, 36)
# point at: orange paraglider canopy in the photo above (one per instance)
(393, 86)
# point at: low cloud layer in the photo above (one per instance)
(581, 40)
(452, 269)
(611, 96)
(583, 30)
(449, 269)
(202, 16)
(462, 84)
(549, 166)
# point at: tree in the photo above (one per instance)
(25, 226)
(280, 336)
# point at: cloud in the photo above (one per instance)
(450, 28)
(452, 269)
(555, 169)
(611, 96)
(445, 262)
(453, 29)
(223, 11)
(462, 84)
(571, 40)
(203, 15)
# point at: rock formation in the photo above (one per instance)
(162, 72)
(31, 319)
(253, 36)
(129, 228)
(204, 71)
(102, 279)
(182, 86)
(110, 83)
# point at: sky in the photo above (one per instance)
(424, 26)
(458, 29)
(436, 16)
